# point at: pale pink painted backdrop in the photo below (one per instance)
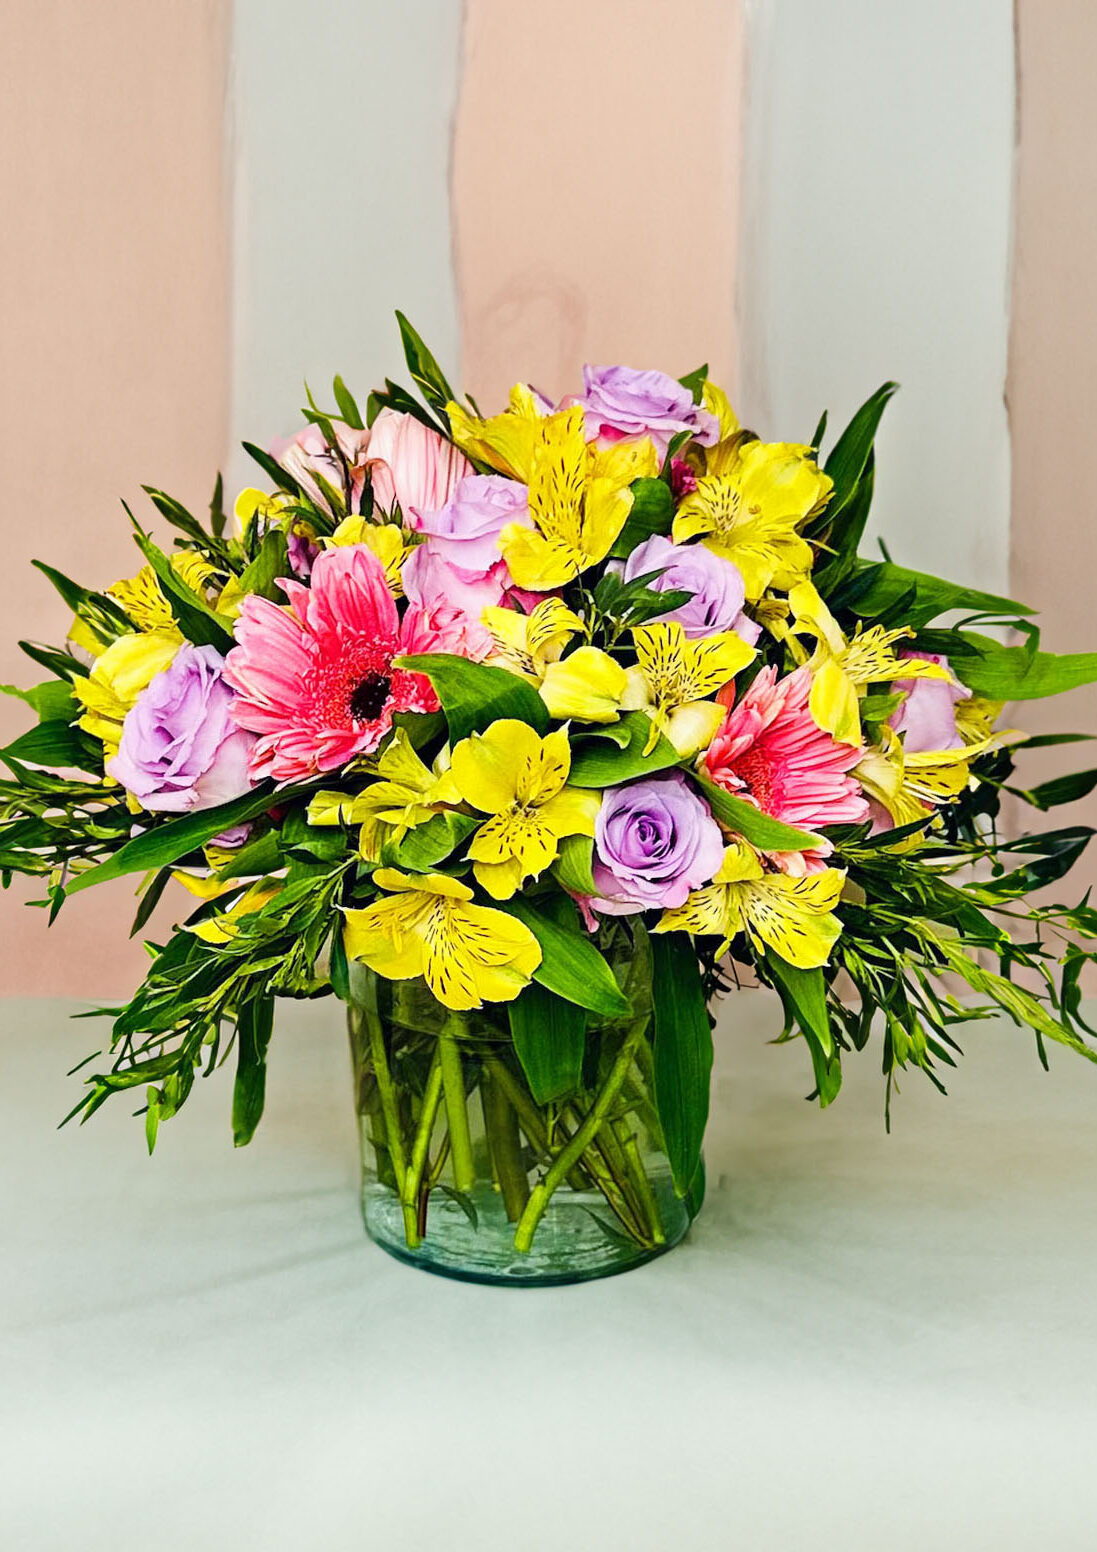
(115, 333)
(1053, 370)
(596, 188)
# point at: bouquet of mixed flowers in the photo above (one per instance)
(525, 735)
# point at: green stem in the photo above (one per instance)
(389, 1109)
(413, 1178)
(501, 1124)
(641, 1182)
(529, 1117)
(457, 1116)
(569, 1156)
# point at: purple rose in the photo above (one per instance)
(716, 585)
(619, 401)
(654, 841)
(466, 530)
(180, 750)
(927, 718)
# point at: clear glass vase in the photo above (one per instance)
(465, 1174)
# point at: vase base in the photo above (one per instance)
(469, 1238)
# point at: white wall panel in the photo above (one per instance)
(876, 233)
(341, 125)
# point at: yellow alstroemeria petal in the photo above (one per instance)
(224, 927)
(386, 937)
(422, 883)
(500, 880)
(587, 685)
(143, 600)
(571, 812)
(692, 727)
(834, 702)
(716, 401)
(740, 862)
(489, 769)
(117, 678)
(504, 441)
(794, 916)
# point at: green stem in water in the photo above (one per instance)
(501, 1124)
(413, 1177)
(385, 1090)
(641, 1182)
(529, 1117)
(569, 1156)
(457, 1116)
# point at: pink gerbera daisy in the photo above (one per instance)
(771, 751)
(316, 680)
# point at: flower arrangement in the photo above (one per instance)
(526, 735)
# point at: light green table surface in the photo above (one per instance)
(866, 1342)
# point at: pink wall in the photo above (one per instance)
(596, 188)
(114, 328)
(1052, 372)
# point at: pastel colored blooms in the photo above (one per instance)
(620, 401)
(465, 530)
(411, 465)
(180, 749)
(772, 752)
(655, 841)
(716, 585)
(326, 476)
(428, 926)
(927, 718)
(455, 597)
(317, 680)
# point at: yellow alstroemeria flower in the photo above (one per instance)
(748, 506)
(252, 504)
(518, 778)
(527, 643)
(504, 441)
(117, 678)
(975, 718)
(579, 499)
(225, 926)
(716, 401)
(387, 541)
(467, 954)
(841, 669)
(587, 685)
(675, 679)
(143, 600)
(792, 916)
(910, 786)
(408, 794)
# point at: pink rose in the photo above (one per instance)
(412, 465)
(438, 587)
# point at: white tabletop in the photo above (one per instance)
(865, 1342)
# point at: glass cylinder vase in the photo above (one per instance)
(465, 1173)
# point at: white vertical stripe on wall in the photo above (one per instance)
(341, 133)
(876, 230)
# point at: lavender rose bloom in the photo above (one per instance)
(654, 841)
(620, 401)
(180, 750)
(927, 718)
(466, 530)
(716, 585)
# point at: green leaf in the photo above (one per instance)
(1010, 673)
(876, 588)
(430, 843)
(428, 375)
(572, 867)
(571, 966)
(197, 621)
(550, 1036)
(1056, 854)
(271, 563)
(166, 843)
(272, 469)
(1022, 1006)
(1061, 789)
(177, 515)
(652, 513)
(804, 996)
(254, 1024)
(473, 695)
(348, 406)
(849, 457)
(255, 858)
(63, 664)
(98, 609)
(695, 381)
(682, 1053)
(150, 899)
(759, 829)
(338, 968)
(53, 700)
(593, 765)
(57, 744)
(217, 517)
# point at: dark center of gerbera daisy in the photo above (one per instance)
(368, 698)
